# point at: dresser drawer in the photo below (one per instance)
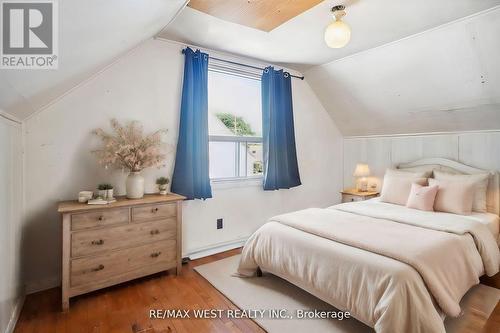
(96, 270)
(351, 198)
(89, 242)
(100, 218)
(154, 211)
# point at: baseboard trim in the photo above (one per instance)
(213, 249)
(15, 315)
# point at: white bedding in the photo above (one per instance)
(381, 288)
(492, 221)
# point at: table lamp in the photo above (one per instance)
(361, 172)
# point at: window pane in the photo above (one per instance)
(234, 105)
(222, 159)
(254, 159)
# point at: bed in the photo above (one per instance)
(393, 268)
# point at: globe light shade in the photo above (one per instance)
(337, 34)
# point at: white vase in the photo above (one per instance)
(135, 185)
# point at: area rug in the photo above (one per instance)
(270, 292)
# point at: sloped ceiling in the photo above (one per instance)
(446, 79)
(299, 42)
(92, 33)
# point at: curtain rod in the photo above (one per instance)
(245, 65)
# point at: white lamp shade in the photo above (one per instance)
(337, 34)
(362, 170)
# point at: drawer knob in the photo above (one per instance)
(155, 254)
(98, 268)
(155, 232)
(98, 242)
(154, 210)
(101, 218)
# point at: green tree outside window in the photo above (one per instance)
(235, 124)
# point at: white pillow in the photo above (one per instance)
(480, 181)
(453, 196)
(396, 188)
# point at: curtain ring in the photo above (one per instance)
(286, 74)
(266, 70)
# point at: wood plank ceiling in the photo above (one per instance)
(264, 15)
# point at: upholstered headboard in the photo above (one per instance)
(443, 164)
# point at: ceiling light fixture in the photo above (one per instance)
(337, 33)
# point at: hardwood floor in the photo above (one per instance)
(125, 308)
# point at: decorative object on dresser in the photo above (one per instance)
(98, 201)
(84, 196)
(162, 183)
(361, 172)
(128, 148)
(106, 191)
(350, 195)
(106, 245)
(134, 185)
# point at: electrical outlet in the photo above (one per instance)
(219, 224)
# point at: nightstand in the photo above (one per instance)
(351, 195)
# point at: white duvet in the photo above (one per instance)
(393, 268)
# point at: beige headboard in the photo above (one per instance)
(443, 164)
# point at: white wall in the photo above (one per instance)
(11, 185)
(477, 149)
(145, 85)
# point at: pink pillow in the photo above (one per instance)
(453, 196)
(422, 197)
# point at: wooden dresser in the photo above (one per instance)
(103, 245)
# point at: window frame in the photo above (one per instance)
(238, 181)
(236, 139)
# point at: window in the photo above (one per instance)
(235, 127)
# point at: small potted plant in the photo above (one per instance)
(105, 191)
(109, 192)
(162, 183)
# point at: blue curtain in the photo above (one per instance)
(280, 156)
(191, 177)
